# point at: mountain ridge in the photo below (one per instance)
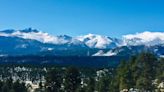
(94, 44)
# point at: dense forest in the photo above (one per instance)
(79, 61)
(141, 73)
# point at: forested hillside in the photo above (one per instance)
(141, 73)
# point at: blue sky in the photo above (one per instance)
(78, 17)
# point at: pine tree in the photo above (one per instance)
(124, 76)
(53, 80)
(160, 70)
(146, 63)
(40, 85)
(103, 84)
(91, 85)
(5, 88)
(1, 84)
(72, 79)
(19, 87)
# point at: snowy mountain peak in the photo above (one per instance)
(97, 41)
(29, 30)
(8, 31)
(87, 37)
(145, 38)
(65, 37)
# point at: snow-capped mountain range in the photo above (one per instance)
(90, 40)
(39, 36)
(145, 38)
(34, 41)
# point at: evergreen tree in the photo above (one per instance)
(40, 85)
(103, 84)
(91, 85)
(53, 80)
(5, 88)
(9, 82)
(114, 85)
(19, 87)
(81, 89)
(146, 63)
(124, 76)
(160, 70)
(1, 84)
(72, 79)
